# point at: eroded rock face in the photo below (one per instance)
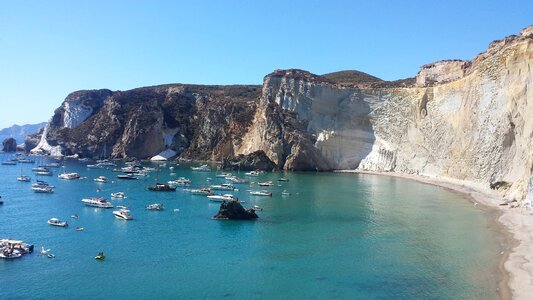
(31, 141)
(257, 160)
(9, 145)
(233, 210)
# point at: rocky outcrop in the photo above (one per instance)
(257, 160)
(9, 145)
(233, 210)
(31, 141)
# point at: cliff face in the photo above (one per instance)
(466, 120)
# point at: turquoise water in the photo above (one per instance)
(340, 236)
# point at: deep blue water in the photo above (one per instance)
(341, 236)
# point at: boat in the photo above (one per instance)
(285, 193)
(155, 206)
(180, 181)
(40, 169)
(41, 183)
(235, 179)
(57, 222)
(97, 202)
(257, 207)
(266, 183)
(123, 214)
(94, 166)
(126, 176)
(223, 175)
(45, 173)
(69, 176)
(261, 193)
(202, 192)
(42, 189)
(11, 249)
(105, 163)
(24, 178)
(79, 228)
(283, 179)
(160, 187)
(101, 179)
(74, 216)
(50, 255)
(204, 168)
(52, 165)
(252, 173)
(119, 195)
(25, 160)
(222, 198)
(10, 162)
(100, 256)
(222, 187)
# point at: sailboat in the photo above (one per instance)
(161, 187)
(23, 177)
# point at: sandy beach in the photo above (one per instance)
(517, 262)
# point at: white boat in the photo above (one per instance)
(222, 187)
(204, 168)
(52, 165)
(40, 183)
(252, 173)
(127, 176)
(24, 178)
(235, 179)
(97, 202)
(101, 179)
(223, 175)
(285, 193)
(202, 191)
(266, 183)
(42, 189)
(123, 214)
(155, 206)
(180, 181)
(40, 169)
(257, 207)
(94, 166)
(57, 222)
(222, 198)
(261, 193)
(69, 176)
(45, 173)
(119, 195)
(9, 162)
(79, 228)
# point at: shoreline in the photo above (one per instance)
(515, 224)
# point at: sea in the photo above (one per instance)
(336, 236)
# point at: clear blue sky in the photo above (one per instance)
(51, 48)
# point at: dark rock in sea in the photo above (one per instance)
(233, 210)
(257, 160)
(9, 145)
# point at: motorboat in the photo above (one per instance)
(285, 193)
(222, 187)
(11, 249)
(101, 179)
(105, 163)
(266, 183)
(202, 192)
(41, 183)
(10, 162)
(119, 195)
(100, 256)
(74, 216)
(204, 168)
(155, 206)
(223, 175)
(52, 165)
(222, 198)
(24, 178)
(160, 187)
(40, 169)
(257, 207)
(236, 179)
(261, 193)
(42, 189)
(45, 173)
(25, 160)
(127, 176)
(253, 173)
(180, 181)
(97, 202)
(57, 222)
(123, 214)
(79, 229)
(94, 166)
(283, 179)
(69, 176)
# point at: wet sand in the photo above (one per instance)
(515, 225)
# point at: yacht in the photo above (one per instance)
(261, 193)
(24, 178)
(222, 198)
(252, 173)
(222, 187)
(101, 179)
(45, 173)
(69, 176)
(119, 195)
(127, 176)
(223, 175)
(180, 181)
(235, 179)
(202, 191)
(41, 183)
(57, 222)
(266, 183)
(42, 189)
(97, 202)
(160, 187)
(204, 168)
(123, 214)
(155, 206)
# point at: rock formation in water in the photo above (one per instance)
(465, 120)
(257, 160)
(9, 145)
(233, 210)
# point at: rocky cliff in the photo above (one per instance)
(466, 120)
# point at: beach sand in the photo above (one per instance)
(516, 264)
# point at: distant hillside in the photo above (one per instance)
(350, 78)
(20, 132)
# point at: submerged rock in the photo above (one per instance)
(233, 210)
